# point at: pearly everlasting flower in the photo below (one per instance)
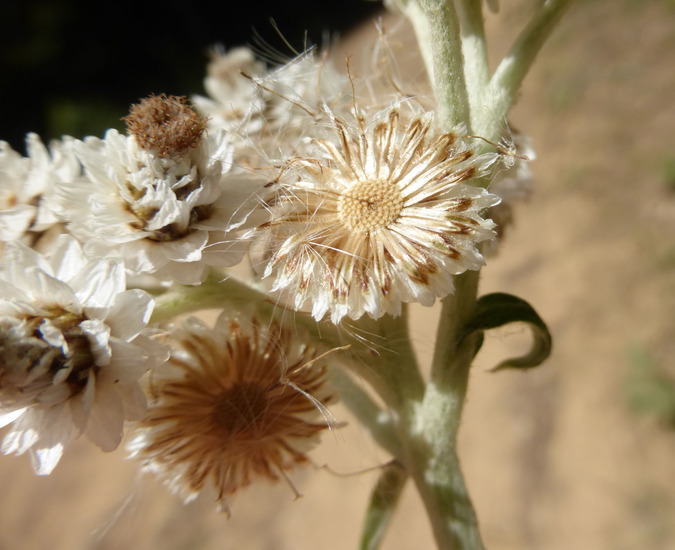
(71, 351)
(295, 93)
(230, 103)
(267, 110)
(237, 402)
(27, 186)
(164, 198)
(375, 214)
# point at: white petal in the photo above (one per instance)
(57, 392)
(128, 364)
(44, 288)
(99, 282)
(14, 222)
(88, 396)
(129, 313)
(98, 334)
(53, 335)
(77, 412)
(45, 460)
(133, 401)
(187, 249)
(106, 419)
(18, 256)
(66, 258)
(10, 293)
(19, 439)
(11, 416)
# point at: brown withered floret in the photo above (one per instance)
(165, 124)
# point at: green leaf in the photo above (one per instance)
(499, 309)
(383, 502)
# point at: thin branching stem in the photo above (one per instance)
(511, 71)
(437, 473)
(367, 412)
(474, 48)
(447, 62)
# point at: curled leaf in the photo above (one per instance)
(499, 309)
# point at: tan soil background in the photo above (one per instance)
(556, 458)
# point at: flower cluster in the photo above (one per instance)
(344, 207)
(28, 185)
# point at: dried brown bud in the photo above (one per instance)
(165, 124)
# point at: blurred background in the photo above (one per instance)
(576, 454)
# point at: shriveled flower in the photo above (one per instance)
(165, 125)
(374, 215)
(511, 185)
(241, 403)
(230, 103)
(71, 351)
(267, 109)
(27, 186)
(168, 205)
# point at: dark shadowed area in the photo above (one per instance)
(74, 67)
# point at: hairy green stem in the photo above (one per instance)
(230, 294)
(432, 451)
(456, 311)
(511, 71)
(474, 49)
(367, 412)
(390, 364)
(447, 63)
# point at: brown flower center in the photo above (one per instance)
(29, 364)
(370, 204)
(241, 409)
(165, 124)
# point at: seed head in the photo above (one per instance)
(165, 124)
(242, 405)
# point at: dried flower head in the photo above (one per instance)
(513, 184)
(231, 96)
(375, 214)
(267, 110)
(28, 184)
(170, 217)
(71, 351)
(242, 404)
(165, 124)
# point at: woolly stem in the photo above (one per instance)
(437, 29)
(511, 71)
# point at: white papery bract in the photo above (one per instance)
(373, 213)
(71, 351)
(27, 186)
(170, 215)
